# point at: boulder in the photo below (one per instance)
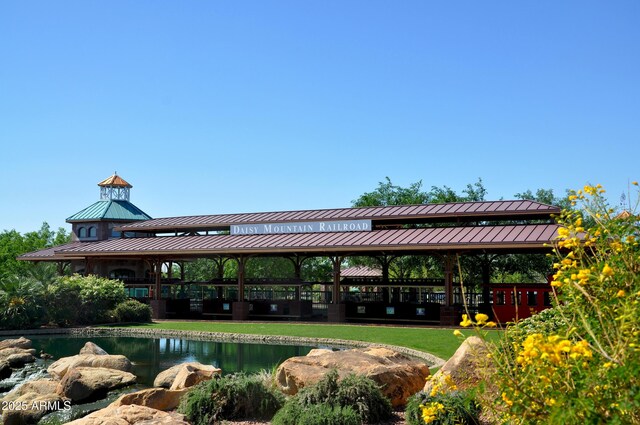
(37, 397)
(21, 342)
(131, 414)
(82, 383)
(59, 368)
(91, 348)
(166, 378)
(5, 370)
(17, 357)
(155, 398)
(466, 368)
(398, 375)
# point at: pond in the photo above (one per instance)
(150, 356)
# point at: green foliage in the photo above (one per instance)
(237, 397)
(316, 414)
(97, 296)
(580, 363)
(14, 244)
(132, 311)
(448, 408)
(20, 303)
(547, 322)
(354, 392)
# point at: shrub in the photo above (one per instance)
(448, 408)
(353, 393)
(236, 396)
(132, 311)
(20, 303)
(97, 297)
(316, 414)
(585, 367)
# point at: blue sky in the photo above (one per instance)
(215, 107)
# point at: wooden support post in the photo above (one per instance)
(337, 311)
(448, 313)
(241, 307)
(158, 305)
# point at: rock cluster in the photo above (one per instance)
(398, 375)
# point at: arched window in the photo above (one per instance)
(82, 232)
(92, 232)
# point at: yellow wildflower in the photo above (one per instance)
(465, 321)
(481, 318)
(607, 271)
(621, 293)
(457, 333)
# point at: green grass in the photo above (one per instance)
(440, 342)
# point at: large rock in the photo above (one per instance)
(37, 397)
(17, 357)
(155, 398)
(83, 383)
(190, 374)
(21, 342)
(91, 348)
(131, 414)
(59, 368)
(398, 375)
(466, 368)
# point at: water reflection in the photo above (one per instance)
(153, 355)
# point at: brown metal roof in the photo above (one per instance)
(486, 210)
(114, 180)
(360, 271)
(499, 237)
(50, 254)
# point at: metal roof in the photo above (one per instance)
(118, 210)
(518, 209)
(360, 271)
(496, 237)
(115, 181)
(50, 254)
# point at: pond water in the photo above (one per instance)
(150, 356)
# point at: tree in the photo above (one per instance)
(13, 244)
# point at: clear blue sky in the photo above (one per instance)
(236, 106)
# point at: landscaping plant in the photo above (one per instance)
(583, 365)
(335, 402)
(238, 396)
(132, 311)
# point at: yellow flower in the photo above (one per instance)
(457, 333)
(465, 321)
(491, 324)
(621, 293)
(607, 271)
(481, 318)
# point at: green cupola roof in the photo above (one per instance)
(113, 205)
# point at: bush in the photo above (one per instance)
(316, 414)
(20, 303)
(97, 297)
(132, 311)
(448, 408)
(584, 365)
(354, 393)
(236, 396)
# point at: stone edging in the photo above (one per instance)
(430, 359)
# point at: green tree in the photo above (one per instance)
(13, 244)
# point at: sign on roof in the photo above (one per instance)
(302, 227)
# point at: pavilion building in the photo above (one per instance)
(114, 238)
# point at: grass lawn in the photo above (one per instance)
(440, 342)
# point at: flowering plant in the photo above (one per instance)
(588, 369)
